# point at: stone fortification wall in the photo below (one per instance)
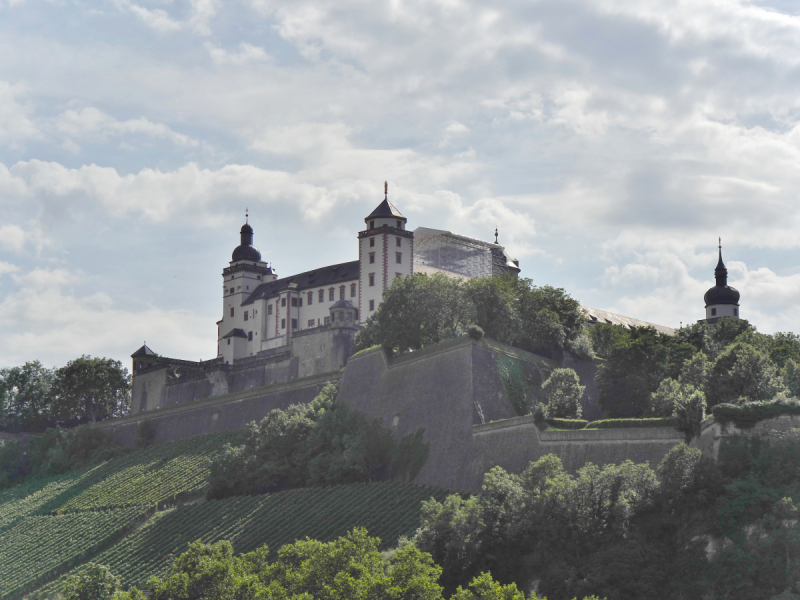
(714, 436)
(165, 382)
(440, 389)
(220, 413)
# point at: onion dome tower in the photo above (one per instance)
(721, 300)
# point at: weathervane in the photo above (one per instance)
(385, 190)
(246, 216)
(495, 235)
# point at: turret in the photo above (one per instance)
(721, 300)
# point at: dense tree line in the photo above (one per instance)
(645, 373)
(85, 390)
(349, 568)
(691, 529)
(421, 310)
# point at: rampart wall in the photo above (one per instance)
(715, 435)
(221, 413)
(444, 388)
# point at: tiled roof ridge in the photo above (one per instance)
(313, 278)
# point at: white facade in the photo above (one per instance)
(722, 310)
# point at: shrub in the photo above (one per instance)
(61, 450)
(567, 423)
(690, 411)
(91, 582)
(561, 394)
(474, 332)
(665, 398)
(748, 414)
(633, 423)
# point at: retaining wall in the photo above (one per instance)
(220, 413)
(714, 435)
(440, 389)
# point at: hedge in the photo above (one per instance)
(747, 415)
(630, 423)
(567, 423)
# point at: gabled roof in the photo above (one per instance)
(595, 315)
(386, 209)
(342, 304)
(326, 276)
(235, 333)
(144, 351)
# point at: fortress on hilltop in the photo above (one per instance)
(281, 339)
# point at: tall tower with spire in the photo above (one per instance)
(385, 251)
(721, 300)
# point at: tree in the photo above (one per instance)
(635, 368)
(665, 398)
(417, 311)
(91, 582)
(25, 397)
(791, 377)
(742, 371)
(561, 394)
(607, 336)
(91, 389)
(495, 306)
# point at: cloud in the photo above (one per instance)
(12, 237)
(6, 268)
(87, 323)
(94, 124)
(16, 125)
(246, 54)
(200, 13)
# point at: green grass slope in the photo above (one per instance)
(387, 510)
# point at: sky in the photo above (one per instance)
(610, 143)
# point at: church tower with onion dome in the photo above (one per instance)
(721, 300)
(246, 272)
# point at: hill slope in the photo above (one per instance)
(123, 514)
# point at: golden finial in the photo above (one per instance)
(386, 190)
(246, 215)
(720, 243)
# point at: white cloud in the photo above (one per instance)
(247, 53)
(93, 123)
(158, 19)
(43, 319)
(16, 125)
(12, 237)
(6, 268)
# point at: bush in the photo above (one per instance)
(144, 433)
(567, 423)
(633, 423)
(61, 450)
(561, 394)
(748, 414)
(474, 332)
(15, 462)
(690, 410)
(91, 582)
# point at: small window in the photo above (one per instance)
(231, 311)
(398, 256)
(372, 304)
(352, 290)
(232, 290)
(269, 309)
(371, 279)
(330, 295)
(398, 274)
(310, 298)
(294, 302)
(229, 341)
(327, 320)
(283, 323)
(399, 225)
(399, 242)
(300, 301)
(371, 245)
(371, 258)
(735, 312)
(713, 312)
(283, 301)
(249, 336)
(341, 293)
(322, 295)
(246, 315)
(310, 323)
(294, 323)
(372, 224)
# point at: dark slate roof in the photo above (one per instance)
(144, 351)
(342, 304)
(235, 333)
(722, 295)
(246, 252)
(317, 278)
(386, 209)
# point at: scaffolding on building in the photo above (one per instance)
(458, 254)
